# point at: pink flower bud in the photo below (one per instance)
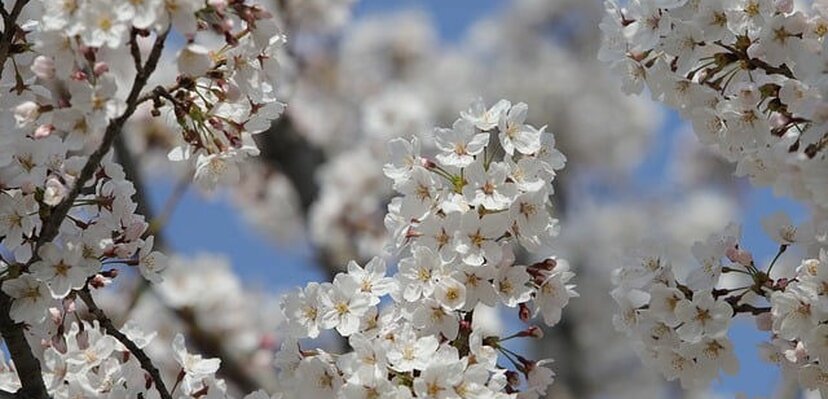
(44, 131)
(78, 75)
(54, 193)
(524, 313)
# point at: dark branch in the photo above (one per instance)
(10, 30)
(27, 366)
(106, 323)
(52, 224)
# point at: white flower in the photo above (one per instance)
(194, 60)
(302, 311)
(30, 299)
(476, 240)
(408, 352)
(459, 144)
(554, 294)
(343, 303)
(105, 23)
(318, 379)
(403, 155)
(511, 285)
(450, 293)
(61, 268)
(421, 190)
(419, 273)
(151, 263)
(780, 228)
(438, 378)
(793, 313)
(663, 303)
(515, 135)
(703, 316)
(486, 119)
(432, 318)
(488, 188)
(372, 279)
(195, 367)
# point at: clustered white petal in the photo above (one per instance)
(749, 75)
(455, 233)
(71, 77)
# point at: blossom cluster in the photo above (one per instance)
(62, 214)
(415, 334)
(746, 73)
(679, 323)
(72, 74)
(85, 362)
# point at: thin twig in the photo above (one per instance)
(106, 323)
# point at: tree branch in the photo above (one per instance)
(26, 364)
(28, 367)
(146, 362)
(9, 30)
(59, 212)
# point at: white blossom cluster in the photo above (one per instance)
(414, 334)
(390, 76)
(72, 74)
(85, 362)
(679, 323)
(100, 229)
(746, 73)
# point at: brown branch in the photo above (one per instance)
(10, 30)
(59, 212)
(106, 323)
(26, 364)
(28, 367)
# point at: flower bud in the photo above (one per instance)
(43, 67)
(100, 68)
(524, 313)
(44, 131)
(55, 192)
(26, 113)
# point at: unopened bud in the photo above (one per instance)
(44, 131)
(100, 68)
(512, 378)
(524, 313)
(43, 67)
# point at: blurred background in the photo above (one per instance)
(359, 73)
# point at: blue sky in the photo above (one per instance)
(199, 225)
